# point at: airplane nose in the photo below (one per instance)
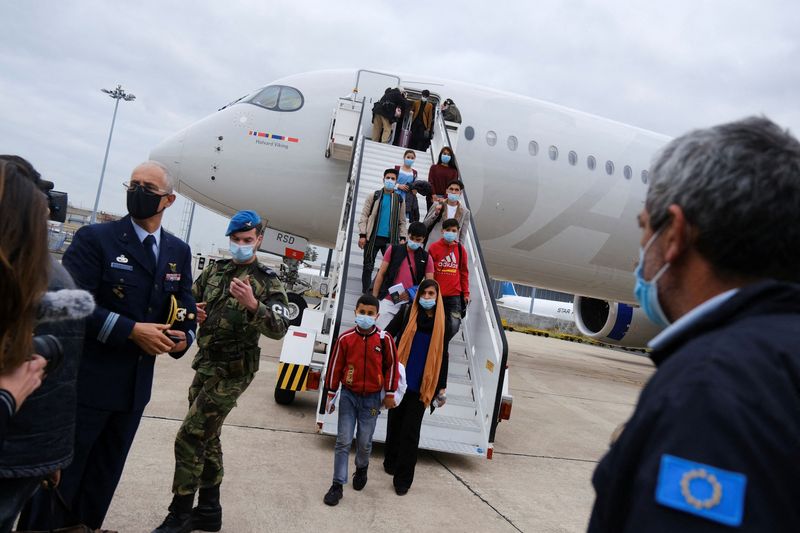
(170, 153)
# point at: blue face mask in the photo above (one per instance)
(365, 321)
(427, 303)
(389, 184)
(445, 158)
(408, 162)
(241, 253)
(453, 197)
(646, 292)
(414, 245)
(450, 236)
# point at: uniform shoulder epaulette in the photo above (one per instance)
(267, 270)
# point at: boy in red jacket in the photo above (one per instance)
(451, 272)
(364, 363)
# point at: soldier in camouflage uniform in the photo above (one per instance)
(238, 300)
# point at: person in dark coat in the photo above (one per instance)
(450, 112)
(421, 122)
(714, 441)
(420, 330)
(138, 273)
(23, 279)
(385, 112)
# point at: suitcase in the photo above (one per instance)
(405, 132)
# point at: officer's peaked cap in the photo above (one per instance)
(243, 221)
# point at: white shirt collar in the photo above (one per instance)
(142, 233)
(683, 323)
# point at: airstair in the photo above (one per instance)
(477, 381)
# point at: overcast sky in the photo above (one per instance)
(668, 67)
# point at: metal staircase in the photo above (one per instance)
(466, 424)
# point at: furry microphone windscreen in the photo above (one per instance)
(66, 304)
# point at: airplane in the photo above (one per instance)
(554, 192)
(541, 307)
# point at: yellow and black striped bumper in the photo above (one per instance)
(292, 377)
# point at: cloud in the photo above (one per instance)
(666, 67)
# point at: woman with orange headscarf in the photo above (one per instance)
(420, 332)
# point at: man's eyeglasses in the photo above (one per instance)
(147, 187)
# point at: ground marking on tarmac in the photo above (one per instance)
(473, 491)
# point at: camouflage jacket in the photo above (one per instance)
(231, 332)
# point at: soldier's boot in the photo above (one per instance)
(179, 518)
(207, 516)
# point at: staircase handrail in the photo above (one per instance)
(495, 315)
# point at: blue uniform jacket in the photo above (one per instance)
(727, 395)
(109, 261)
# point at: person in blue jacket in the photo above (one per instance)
(141, 279)
(714, 441)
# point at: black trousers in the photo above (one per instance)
(381, 243)
(402, 438)
(452, 309)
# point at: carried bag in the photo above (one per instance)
(56, 500)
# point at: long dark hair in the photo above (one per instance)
(452, 162)
(23, 261)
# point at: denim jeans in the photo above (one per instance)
(361, 409)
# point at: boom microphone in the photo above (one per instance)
(66, 304)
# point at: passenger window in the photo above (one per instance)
(290, 100)
(278, 98)
(610, 168)
(591, 162)
(645, 175)
(491, 138)
(553, 153)
(512, 143)
(533, 148)
(469, 133)
(627, 172)
(573, 157)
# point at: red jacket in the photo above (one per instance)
(363, 363)
(450, 269)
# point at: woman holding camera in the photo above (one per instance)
(420, 331)
(23, 281)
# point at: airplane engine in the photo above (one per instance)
(613, 322)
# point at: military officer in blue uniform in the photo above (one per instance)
(714, 442)
(139, 274)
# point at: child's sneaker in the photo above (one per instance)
(360, 478)
(334, 494)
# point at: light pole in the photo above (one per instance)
(117, 94)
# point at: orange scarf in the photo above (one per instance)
(430, 376)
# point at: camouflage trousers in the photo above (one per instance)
(198, 452)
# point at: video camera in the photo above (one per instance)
(56, 201)
(51, 349)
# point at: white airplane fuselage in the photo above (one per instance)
(541, 221)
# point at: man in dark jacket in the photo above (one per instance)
(714, 442)
(137, 273)
(385, 111)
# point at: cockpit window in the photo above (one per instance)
(290, 100)
(278, 98)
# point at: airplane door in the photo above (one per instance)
(371, 85)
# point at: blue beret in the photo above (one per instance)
(243, 221)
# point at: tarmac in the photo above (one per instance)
(568, 399)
